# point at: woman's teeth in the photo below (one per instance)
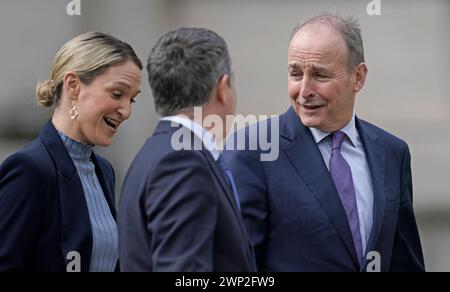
(112, 123)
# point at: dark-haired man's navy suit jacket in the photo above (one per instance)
(177, 212)
(43, 211)
(294, 214)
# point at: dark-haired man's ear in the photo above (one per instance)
(224, 88)
(361, 75)
(72, 84)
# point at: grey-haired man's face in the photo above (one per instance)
(320, 86)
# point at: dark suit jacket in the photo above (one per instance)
(43, 212)
(177, 213)
(294, 214)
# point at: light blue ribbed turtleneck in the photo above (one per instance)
(105, 248)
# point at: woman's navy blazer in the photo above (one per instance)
(44, 218)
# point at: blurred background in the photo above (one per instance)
(407, 92)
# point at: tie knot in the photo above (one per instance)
(338, 138)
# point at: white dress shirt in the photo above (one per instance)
(208, 140)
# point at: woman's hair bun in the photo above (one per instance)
(45, 93)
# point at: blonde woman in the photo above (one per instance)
(56, 195)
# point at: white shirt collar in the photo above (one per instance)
(199, 131)
(349, 130)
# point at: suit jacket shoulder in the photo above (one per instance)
(32, 164)
(385, 137)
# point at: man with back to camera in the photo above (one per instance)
(179, 210)
(339, 196)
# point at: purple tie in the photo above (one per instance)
(342, 178)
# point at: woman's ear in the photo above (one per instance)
(72, 85)
(361, 75)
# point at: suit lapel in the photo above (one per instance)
(76, 233)
(376, 157)
(223, 183)
(227, 190)
(304, 154)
